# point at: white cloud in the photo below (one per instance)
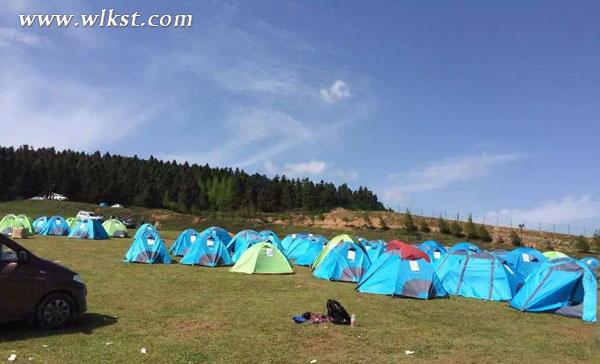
(566, 210)
(10, 36)
(441, 174)
(302, 169)
(345, 174)
(338, 91)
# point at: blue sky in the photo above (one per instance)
(474, 106)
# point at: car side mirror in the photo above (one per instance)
(23, 256)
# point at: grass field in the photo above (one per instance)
(184, 314)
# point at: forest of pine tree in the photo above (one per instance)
(27, 172)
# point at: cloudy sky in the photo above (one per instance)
(475, 106)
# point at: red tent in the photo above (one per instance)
(407, 251)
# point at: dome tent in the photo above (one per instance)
(551, 255)
(209, 251)
(184, 242)
(148, 248)
(39, 224)
(562, 286)
(262, 258)
(56, 225)
(522, 261)
(332, 244)
(434, 250)
(10, 222)
(288, 240)
(305, 248)
(90, 229)
(392, 275)
(465, 245)
(407, 251)
(241, 242)
(374, 248)
(346, 262)
(223, 234)
(474, 274)
(115, 228)
(143, 228)
(271, 237)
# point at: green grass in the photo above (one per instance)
(184, 314)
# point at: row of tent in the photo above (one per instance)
(528, 279)
(59, 226)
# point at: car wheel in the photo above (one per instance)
(55, 311)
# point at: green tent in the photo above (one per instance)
(115, 228)
(11, 221)
(26, 222)
(332, 244)
(262, 258)
(71, 222)
(551, 255)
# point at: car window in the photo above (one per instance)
(7, 254)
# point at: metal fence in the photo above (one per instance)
(506, 221)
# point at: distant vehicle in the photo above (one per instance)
(37, 290)
(56, 197)
(37, 198)
(87, 215)
(117, 206)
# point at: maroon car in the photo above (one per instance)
(37, 290)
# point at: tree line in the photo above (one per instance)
(94, 178)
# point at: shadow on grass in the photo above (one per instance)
(86, 324)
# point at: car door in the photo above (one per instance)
(16, 283)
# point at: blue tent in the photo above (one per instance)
(499, 253)
(591, 262)
(148, 248)
(374, 248)
(288, 240)
(241, 242)
(346, 262)
(474, 274)
(465, 245)
(88, 229)
(563, 286)
(221, 233)
(56, 225)
(434, 250)
(143, 228)
(521, 262)
(184, 242)
(38, 224)
(209, 251)
(271, 237)
(304, 249)
(392, 275)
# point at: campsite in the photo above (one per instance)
(197, 314)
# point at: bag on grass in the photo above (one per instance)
(337, 313)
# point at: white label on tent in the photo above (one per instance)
(210, 243)
(310, 234)
(193, 238)
(414, 265)
(368, 247)
(82, 225)
(58, 222)
(351, 254)
(526, 258)
(148, 227)
(293, 236)
(150, 241)
(269, 252)
(589, 261)
(436, 255)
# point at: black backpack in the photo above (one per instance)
(337, 313)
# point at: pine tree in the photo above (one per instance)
(443, 226)
(471, 229)
(514, 238)
(582, 244)
(456, 229)
(409, 224)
